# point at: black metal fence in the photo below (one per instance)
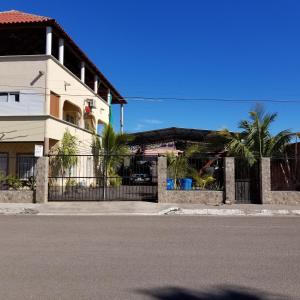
(103, 177)
(285, 174)
(195, 173)
(247, 182)
(17, 172)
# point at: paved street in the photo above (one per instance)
(149, 257)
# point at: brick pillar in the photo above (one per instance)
(229, 180)
(42, 167)
(161, 178)
(265, 180)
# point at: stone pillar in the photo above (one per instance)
(48, 40)
(229, 180)
(42, 167)
(161, 178)
(265, 180)
(61, 51)
(82, 71)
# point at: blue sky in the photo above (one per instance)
(199, 49)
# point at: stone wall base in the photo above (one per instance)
(17, 196)
(193, 197)
(284, 197)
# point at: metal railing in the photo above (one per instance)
(17, 172)
(102, 177)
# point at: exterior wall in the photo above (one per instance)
(22, 74)
(285, 197)
(75, 91)
(274, 197)
(17, 196)
(22, 129)
(195, 197)
(56, 130)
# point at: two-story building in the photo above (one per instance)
(47, 85)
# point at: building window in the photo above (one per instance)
(70, 119)
(26, 166)
(9, 97)
(3, 164)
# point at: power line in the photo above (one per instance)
(157, 99)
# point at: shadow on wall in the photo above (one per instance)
(218, 293)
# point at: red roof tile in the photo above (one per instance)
(15, 17)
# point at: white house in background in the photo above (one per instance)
(47, 85)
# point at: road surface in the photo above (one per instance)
(137, 257)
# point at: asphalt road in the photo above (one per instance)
(165, 258)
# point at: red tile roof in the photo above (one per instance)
(15, 17)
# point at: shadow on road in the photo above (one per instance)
(218, 293)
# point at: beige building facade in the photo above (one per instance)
(48, 85)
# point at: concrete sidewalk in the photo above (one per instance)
(146, 208)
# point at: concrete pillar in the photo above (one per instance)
(161, 178)
(229, 180)
(109, 97)
(265, 180)
(46, 146)
(122, 118)
(82, 71)
(48, 40)
(96, 84)
(41, 192)
(61, 51)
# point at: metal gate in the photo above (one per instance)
(247, 182)
(102, 178)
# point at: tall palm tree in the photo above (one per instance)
(110, 151)
(255, 140)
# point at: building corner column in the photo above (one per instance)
(122, 117)
(161, 178)
(229, 180)
(82, 71)
(61, 50)
(42, 169)
(48, 40)
(265, 180)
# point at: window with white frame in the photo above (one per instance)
(9, 97)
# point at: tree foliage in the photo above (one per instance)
(255, 139)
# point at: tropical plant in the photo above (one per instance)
(255, 140)
(67, 153)
(13, 182)
(202, 181)
(110, 152)
(178, 165)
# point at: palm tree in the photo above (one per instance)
(111, 150)
(255, 140)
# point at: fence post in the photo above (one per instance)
(42, 167)
(265, 180)
(229, 180)
(161, 178)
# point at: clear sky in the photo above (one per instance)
(229, 49)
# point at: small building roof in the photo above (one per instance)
(171, 134)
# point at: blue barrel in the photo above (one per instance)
(186, 183)
(170, 184)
